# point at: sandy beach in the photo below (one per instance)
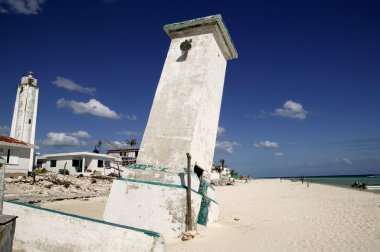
(270, 215)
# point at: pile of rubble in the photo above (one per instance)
(223, 181)
(227, 180)
(51, 186)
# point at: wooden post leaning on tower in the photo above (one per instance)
(189, 222)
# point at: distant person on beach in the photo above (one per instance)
(302, 179)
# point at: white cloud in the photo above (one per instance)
(72, 86)
(226, 146)
(4, 130)
(3, 10)
(291, 109)
(266, 144)
(56, 139)
(279, 154)
(129, 117)
(128, 133)
(340, 161)
(221, 131)
(81, 134)
(262, 114)
(25, 7)
(93, 107)
(347, 161)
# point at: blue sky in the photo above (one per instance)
(301, 99)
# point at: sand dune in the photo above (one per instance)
(279, 216)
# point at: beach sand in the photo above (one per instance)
(269, 215)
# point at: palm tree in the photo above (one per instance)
(131, 143)
(97, 147)
(222, 162)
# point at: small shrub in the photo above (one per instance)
(40, 170)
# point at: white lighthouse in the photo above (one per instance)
(183, 119)
(25, 113)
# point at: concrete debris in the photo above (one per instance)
(188, 235)
(51, 186)
(47, 184)
(109, 177)
(222, 182)
(225, 180)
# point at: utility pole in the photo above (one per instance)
(189, 223)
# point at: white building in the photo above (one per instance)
(127, 156)
(24, 118)
(226, 171)
(77, 162)
(214, 175)
(217, 172)
(16, 154)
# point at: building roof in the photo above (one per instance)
(123, 150)
(70, 154)
(10, 141)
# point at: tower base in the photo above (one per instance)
(151, 205)
(151, 198)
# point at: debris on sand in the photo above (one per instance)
(51, 186)
(188, 235)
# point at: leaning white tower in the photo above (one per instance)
(25, 112)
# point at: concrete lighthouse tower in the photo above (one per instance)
(153, 193)
(25, 113)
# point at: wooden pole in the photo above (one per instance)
(2, 183)
(189, 223)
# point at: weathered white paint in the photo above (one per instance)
(89, 159)
(19, 159)
(185, 112)
(7, 231)
(178, 178)
(183, 119)
(156, 207)
(25, 113)
(211, 193)
(46, 230)
(213, 213)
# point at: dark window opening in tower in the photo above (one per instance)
(30, 121)
(198, 170)
(22, 89)
(8, 155)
